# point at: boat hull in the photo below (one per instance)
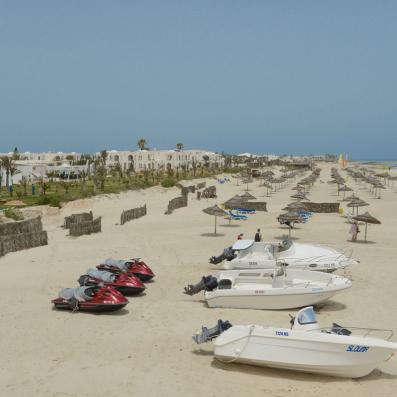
(268, 301)
(298, 354)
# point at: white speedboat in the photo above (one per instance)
(335, 351)
(272, 290)
(248, 254)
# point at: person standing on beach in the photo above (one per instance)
(258, 236)
(354, 230)
(240, 236)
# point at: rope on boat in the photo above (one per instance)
(239, 353)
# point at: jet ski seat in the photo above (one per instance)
(120, 263)
(81, 294)
(101, 275)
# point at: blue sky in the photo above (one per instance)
(260, 76)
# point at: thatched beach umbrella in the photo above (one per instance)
(367, 218)
(247, 181)
(300, 196)
(295, 206)
(351, 198)
(345, 189)
(214, 211)
(356, 204)
(268, 186)
(234, 201)
(291, 217)
(247, 196)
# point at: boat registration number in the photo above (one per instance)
(259, 291)
(357, 349)
(282, 333)
(252, 263)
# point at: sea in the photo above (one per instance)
(384, 163)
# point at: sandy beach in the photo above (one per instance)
(146, 349)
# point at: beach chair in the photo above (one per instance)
(248, 211)
(235, 217)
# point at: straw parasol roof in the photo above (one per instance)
(214, 211)
(300, 196)
(367, 218)
(345, 188)
(235, 200)
(292, 217)
(352, 197)
(357, 203)
(247, 196)
(297, 205)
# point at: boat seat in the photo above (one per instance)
(338, 329)
(225, 284)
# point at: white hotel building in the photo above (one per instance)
(142, 160)
(35, 166)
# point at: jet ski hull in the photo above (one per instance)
(135, 268)
(97, 308)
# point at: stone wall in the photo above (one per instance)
(185, 190)
(85, 227)
(77, 218)
(17, 236)
(177, 202)
(200, 185)
(256, 205)
(322, 207)
(209, 192)
(252, 205)
(134, 213)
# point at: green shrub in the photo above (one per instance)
(52, 200)
(55, 201)
(13, 214)
(168, 181)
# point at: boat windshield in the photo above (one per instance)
(285, 245)
(307, 316)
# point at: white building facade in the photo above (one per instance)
(142, 160)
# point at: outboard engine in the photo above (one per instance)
(227, 254)
(208, 334)
(208, 283)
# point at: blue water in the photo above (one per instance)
(392, 163)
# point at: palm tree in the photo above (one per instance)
(179, 146)
(15, 154)
(1, 172)
(206, 159)
(104, 156)
(141, 143)
(24, 184)
(11, 169)
(83, 178)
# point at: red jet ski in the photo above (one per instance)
(134, 267)
(90, 299)
(126, 284)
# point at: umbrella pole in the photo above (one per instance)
(215, 225)
(365, 236)
(289, 231)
